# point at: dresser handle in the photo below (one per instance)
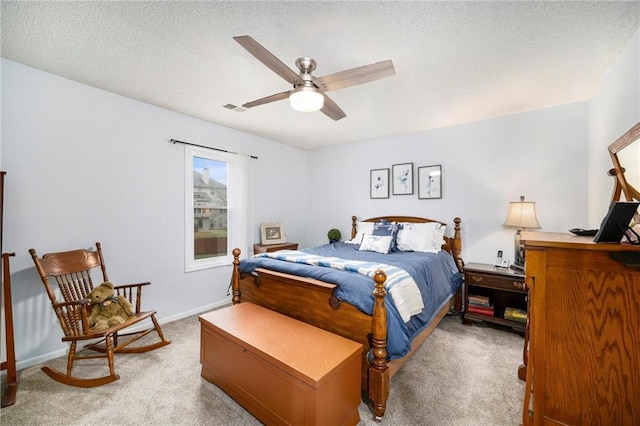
(519, 285)
(476, 278)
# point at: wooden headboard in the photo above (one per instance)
(452, 244)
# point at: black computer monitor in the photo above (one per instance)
(616, 222)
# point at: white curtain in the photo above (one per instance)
(240, 204)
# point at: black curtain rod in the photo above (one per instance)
(175, 141)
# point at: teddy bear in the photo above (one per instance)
(108, 309)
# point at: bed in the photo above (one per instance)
(321, 295)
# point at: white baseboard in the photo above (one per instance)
(20, 365)
(196, 311)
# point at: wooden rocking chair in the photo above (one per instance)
(71, 270)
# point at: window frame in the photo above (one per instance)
(191, 263)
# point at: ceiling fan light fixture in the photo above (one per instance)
(306, 99)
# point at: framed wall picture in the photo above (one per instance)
(272, 233)
(379, 184)
(402, 179)
(430, 182)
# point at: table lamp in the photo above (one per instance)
(522, 215)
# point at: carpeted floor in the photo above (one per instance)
(462, 375)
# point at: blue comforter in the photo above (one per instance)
(435, 273)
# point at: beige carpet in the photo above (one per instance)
(462, 375)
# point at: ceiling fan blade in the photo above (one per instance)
(267, 58)
(331, 109)
(268, 99)
(355, 76)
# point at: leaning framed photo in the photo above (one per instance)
(379, 183)
(272, 233)
(402, 179)
(616, 223)
(430, 182)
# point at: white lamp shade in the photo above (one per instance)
(306, 99)
(522, 214)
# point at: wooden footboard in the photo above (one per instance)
(313, 301)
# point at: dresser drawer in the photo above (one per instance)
(494, 281)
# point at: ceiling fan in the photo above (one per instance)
(308, 91)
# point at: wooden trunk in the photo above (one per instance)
(281, 370)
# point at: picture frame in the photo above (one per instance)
(402, 179)
(615, 224)
(379, 183)
(430, 182)
(272, 233)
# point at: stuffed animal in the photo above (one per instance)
(108, 309)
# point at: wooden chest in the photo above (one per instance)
(281, 370)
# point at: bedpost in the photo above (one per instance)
(354, 226)
(457, 243)
(378, 371)
(235, 277)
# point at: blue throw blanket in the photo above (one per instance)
(435, 274)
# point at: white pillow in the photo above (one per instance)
(363, 228)
(377, 243)
(422, 237)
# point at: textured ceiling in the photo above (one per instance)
(455, 61)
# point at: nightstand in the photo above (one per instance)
(259, 248)
(490, 291)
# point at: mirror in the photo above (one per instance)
(625, 154)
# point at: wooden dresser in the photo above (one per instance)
(583, 363)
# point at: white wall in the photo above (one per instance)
(85, 165)
(557, 157)
(485, 165)
(612, 111)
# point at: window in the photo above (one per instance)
(218, 208)
(206, 209)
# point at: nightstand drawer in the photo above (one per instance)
(497, 282)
